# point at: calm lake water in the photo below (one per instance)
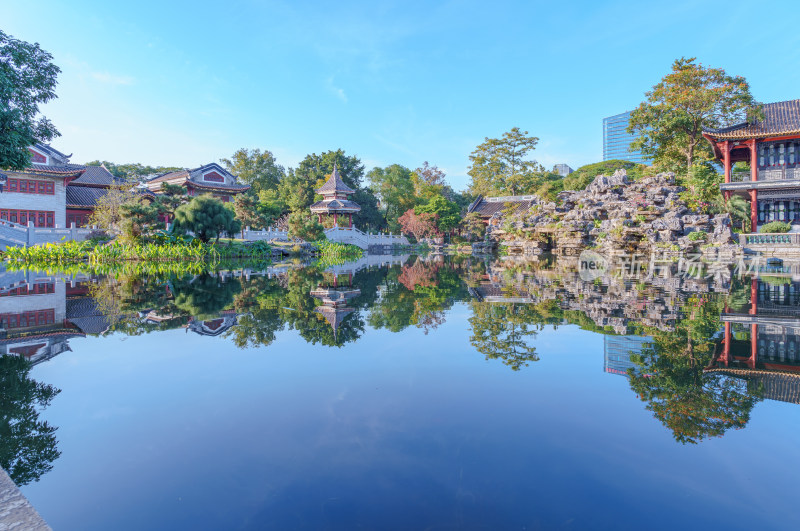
(429, 393)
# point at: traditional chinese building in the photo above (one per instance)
(335, 200)
(771, 147)
(51, 191)
(208, 179)
(486, 207)
(761, 342)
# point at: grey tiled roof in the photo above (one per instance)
(84, 196)
(488, 206)
(59, 169)
(333, 205)
(335, 184)
(97, 175)
(780, 118)
(52, 152)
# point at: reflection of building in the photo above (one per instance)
(334, 300)
(617, 140)
(617, 352)
(772, 149)
(214, 327)
(38, 316)
(762, 341)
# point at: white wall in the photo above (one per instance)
(56, 202)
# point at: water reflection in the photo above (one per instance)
(700, 353)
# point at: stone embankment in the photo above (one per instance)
(614, 214)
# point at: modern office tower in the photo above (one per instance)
(617, 140)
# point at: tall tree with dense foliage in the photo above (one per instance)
(500, 166)
(257, 168)
(395, 187)
(207, 218)
(446, 213)
(691, 97)
(28, 445)
(27, 79)
(303, 225)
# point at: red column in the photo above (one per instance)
(350, 221)
(726, 160)
(753, 296)
(726, 346)
(753, 161)
(335, 219)
(751, 362)
(754, 210)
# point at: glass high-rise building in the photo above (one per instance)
(617, 140)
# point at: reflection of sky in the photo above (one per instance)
(174, 430)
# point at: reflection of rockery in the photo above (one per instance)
(226, 320)
(762, 340)
(334, 298)
(614, 302)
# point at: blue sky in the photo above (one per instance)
(183, 84)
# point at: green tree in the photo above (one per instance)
(473, 227)
(108, 213)
(28, 446)
(247, 210)
(207, 218)
(395, 187)
(500, 165)
(303, 225)
(27, 79)
(692, 97)
(271, 206)
(702, 184)
(256, 168)
(446, 212)
(138, 215)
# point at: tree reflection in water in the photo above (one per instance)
(28, 446)
(693, 404)
(669, 378)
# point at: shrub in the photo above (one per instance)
(698, 235)
(776, 226)
(207, 218)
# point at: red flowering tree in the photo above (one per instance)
(418, 225)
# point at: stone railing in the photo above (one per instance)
(268, 234)
(361, 239)
(740, 176)
(14, 234)
(789, 238)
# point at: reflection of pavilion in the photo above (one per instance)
(334, 300)
(762, 341)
